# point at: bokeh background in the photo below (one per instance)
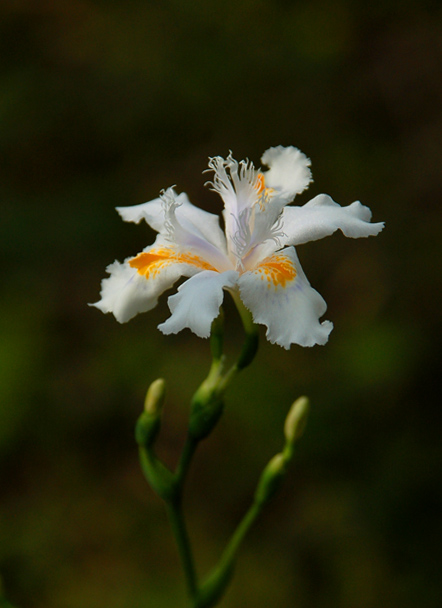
(104, 103)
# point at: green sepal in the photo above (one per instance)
(161, 480)
(206, 410)
(271, 479)
(149, 422)
(207, 403)
(147, 429)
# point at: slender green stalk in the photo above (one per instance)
(250, 347)
(185, 460)
(213, 589)
(179, 529)
(244, 526)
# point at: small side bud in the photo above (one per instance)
(206, 409)
(296, 420)
(148, 424)
(270, 479)
(153, 403)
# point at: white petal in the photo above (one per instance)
(200, 222)
(289, 172)
(289, 307)
(188, 215)
(197, 302)
(152, 212)
(128, 292)
(191, 228)
(321, 217)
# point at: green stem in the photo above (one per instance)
(244, 526)
(212, 590)
(185, 460)
(176, 518)
(250, 346)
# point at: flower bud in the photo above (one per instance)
(271, 478)
(153, 403)
(205, 411)
(148, 424)
(296, 420)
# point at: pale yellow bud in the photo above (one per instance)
(155, 397)
(296, 419)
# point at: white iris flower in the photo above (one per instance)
(254, 258)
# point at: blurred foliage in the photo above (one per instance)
(104, 103)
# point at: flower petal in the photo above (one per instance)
(125, 293)
(152, 212)
(288, 173)
(136, 285)
(190, 217)
(197, 302)
(279, 296)
(183, 224)
(321, 217)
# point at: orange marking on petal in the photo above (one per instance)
(277, 269)
(150, 263)
(263, 192)
(260, 183)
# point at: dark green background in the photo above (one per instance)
(104, 104)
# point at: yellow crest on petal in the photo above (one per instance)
(150, 263)
(263, 192)
(277, 270)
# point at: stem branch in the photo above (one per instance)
(176, 518)
(244, 526)
(207, 407)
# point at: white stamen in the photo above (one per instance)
(275, 231)
(224, 182)
(243, 235)
(245, 202)
(170, 204)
